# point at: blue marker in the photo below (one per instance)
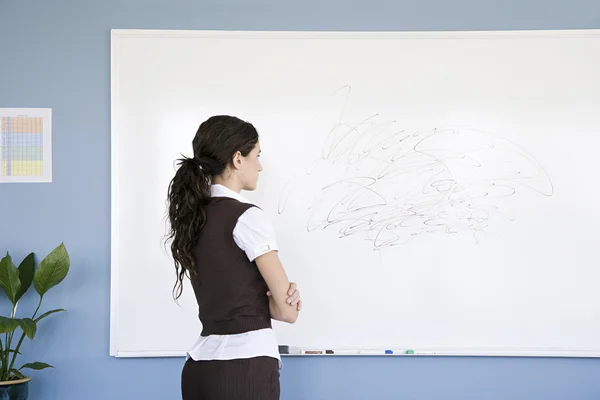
(376, 352)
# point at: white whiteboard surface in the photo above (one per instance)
(431, 190)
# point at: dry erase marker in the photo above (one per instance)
(313, 351)
(376, 352)
(309, 352)
(342, 352)
(422, 353)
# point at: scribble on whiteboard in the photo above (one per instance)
(389, 184)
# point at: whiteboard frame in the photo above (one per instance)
(119, 35)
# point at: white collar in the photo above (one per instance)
(218, 190)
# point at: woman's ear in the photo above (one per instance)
(237, 160)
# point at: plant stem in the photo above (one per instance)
(8, 340)
(12, 363)
(13, 314)
(6, 356)
(38, 308)
(2, 361)
(14, 357)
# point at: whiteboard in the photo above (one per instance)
(435, 191)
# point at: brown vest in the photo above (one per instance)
(231, 292)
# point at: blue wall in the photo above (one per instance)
(55, 53)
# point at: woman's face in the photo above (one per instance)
(250, 168)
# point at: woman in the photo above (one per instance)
(227, 248)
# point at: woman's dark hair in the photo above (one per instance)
(216, 142)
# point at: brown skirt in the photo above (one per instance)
(242, 379)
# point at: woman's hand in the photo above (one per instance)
(294, 296)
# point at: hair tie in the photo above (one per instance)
(205, 163)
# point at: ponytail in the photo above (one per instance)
(188, 193)
(217, 140)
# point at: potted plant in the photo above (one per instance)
(15, 281)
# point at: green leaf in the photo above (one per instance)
(17, 373)
(26, 271)
(28, 325)
(8, 324)
(52, 270)
(9, 278)
(36, 365)
(44, 315)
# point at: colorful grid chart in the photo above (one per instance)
(22, 146)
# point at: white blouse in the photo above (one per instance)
(255, 235)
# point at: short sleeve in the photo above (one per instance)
(254, 233)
